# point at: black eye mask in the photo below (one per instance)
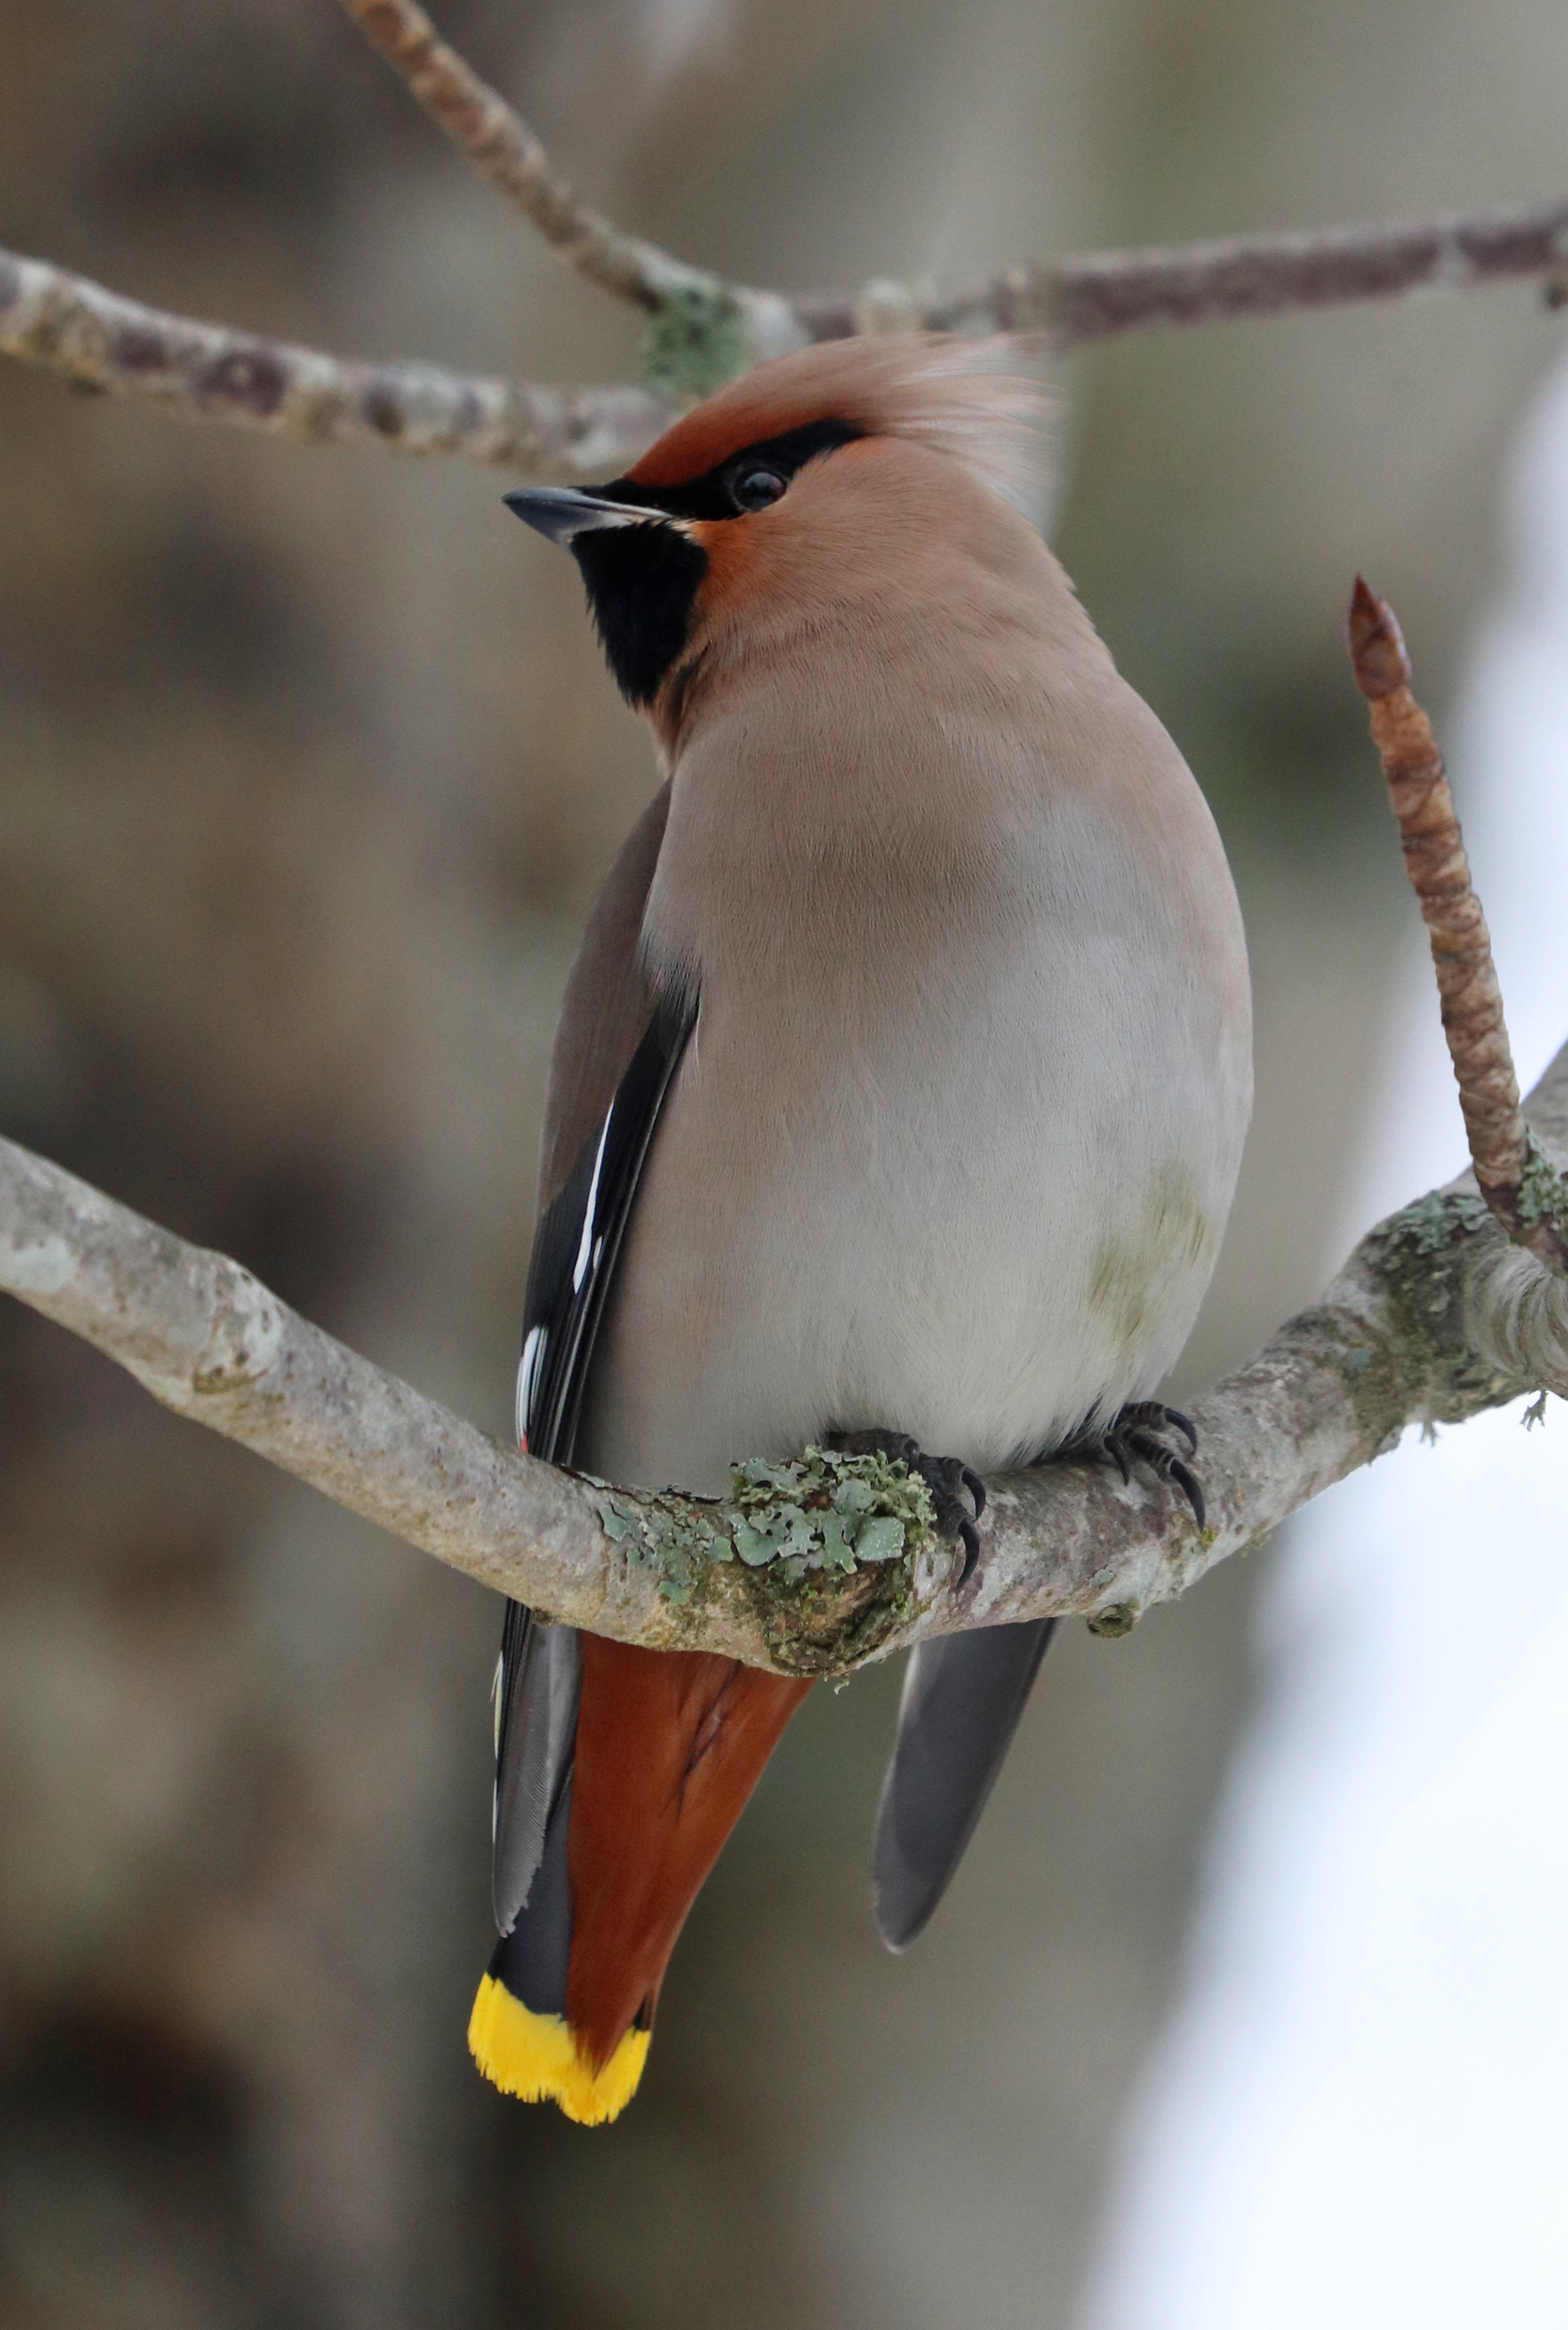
(719, 492)
(642, 580)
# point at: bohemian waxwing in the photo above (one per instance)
(900, 1089)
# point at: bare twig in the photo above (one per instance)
(1105, 293)
(720, 327)
(481, 121)
(202, 371)
(1518, 1184)
(208, 372)
(1075, 301)
(1434, 1317)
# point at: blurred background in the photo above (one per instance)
(308, 767)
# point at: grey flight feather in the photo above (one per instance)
(542, 1677)
(604, 1015)
(607, 1006)
(962, 1697)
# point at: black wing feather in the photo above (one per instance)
(578, 1243)
(576, 1247)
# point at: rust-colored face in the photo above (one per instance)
(691, 530)
(642, 544)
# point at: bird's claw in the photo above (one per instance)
(1135, 1431)
(1154, 1415)
(947, 1479)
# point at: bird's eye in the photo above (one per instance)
(753, 487)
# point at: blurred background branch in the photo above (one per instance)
(209, 371)
(1069, 304)
(499, 141)
(701, 330)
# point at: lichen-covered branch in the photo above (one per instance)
(209, 372)
(1074, 301)
(1518, 1182)
(1434, 1317)
(701, 330)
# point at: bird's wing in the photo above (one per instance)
(615, 1051)
(577, 1244)
(962, 1697)
(606, 1009)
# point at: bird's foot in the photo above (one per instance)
(1137, 1431)
(947, 1479)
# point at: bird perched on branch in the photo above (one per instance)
(897, 1101)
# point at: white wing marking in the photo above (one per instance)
(528, 1368)
(585, 1249)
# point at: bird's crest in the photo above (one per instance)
(971, 400)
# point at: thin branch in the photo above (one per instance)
(208, 372)
(480, 120)
(1518, 1184)
(718, 328)
(1434, 1317)
(203, 371)
(1096, 297)
(1071, 303)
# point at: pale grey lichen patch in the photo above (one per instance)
(1423, 1366)
(668, 1536)
(1542, 1192)
(1418, 1256)
(818, 1511)
(839, 1556)
(1439, 1219)
(695, 340)
(825, 1511)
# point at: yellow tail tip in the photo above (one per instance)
(534, 2057)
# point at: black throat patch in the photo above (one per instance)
(642, 581)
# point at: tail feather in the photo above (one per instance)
(963, 1695)
(665, 1749)
(670, 1745)
(536, 2057)
(535, 1718)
